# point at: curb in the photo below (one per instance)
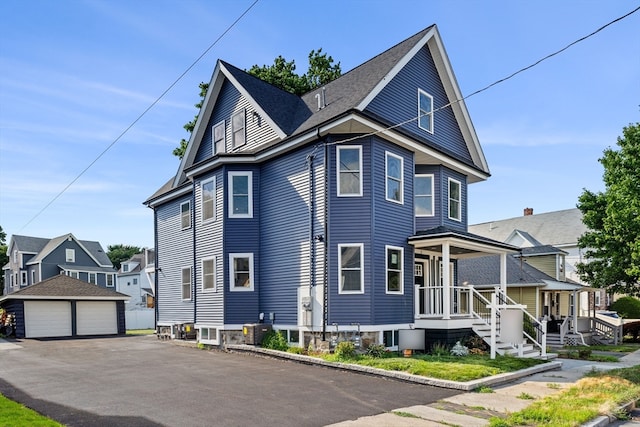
(403, 376)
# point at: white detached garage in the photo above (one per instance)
(65, 307)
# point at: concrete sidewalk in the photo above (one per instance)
(474, 409)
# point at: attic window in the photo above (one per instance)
(218, 138)
(70, 255)
(238, 128)
(425, 111)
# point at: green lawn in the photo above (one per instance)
(141, 331)
(13, 414)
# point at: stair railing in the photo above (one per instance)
(531, 325)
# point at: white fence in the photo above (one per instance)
(140, 319)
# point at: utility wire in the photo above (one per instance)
(128, 128)
(491, 85)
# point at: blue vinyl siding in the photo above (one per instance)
(209, 242)
(350, 221)
(228, 102)
(392, 224)
(441, 177)
(242, 235)
(174, 251)
(398, 102)
(285, 232)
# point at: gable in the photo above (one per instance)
(397, 102)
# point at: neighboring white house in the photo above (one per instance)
(560, 229)
(136, 278)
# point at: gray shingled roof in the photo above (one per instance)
(43, 247)
(442, 231)
(541, 250)
(486, 271)
(65, 286)
(29, 244)
(552, 228)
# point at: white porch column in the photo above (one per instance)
(446, 282)
(575, 311)
(503, 272)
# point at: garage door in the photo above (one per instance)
(96, 318)
(47, 319)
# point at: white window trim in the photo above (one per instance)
(349, 147)
(209, 340)
(106, 280)
(232, 287)
(433, 208)
(214, 151)
(249, 174)
(215, 274)
(422, 92)
(386, 270)
(244, 128)
(449, 181)
(190, 284)
(213, 201)
(387, 177)
(24, 277)
(33, 277)
(95, 278)
(340, 284)
(70, 255)
(182, 227)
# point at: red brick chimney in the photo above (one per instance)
(528, 211)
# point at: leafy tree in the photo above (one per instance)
(4, 258)
(612, 241)
(282, 74)
(119, 253)
(182, 148)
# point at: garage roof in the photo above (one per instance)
(66, 287)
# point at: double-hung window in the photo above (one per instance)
(349, 167)
(209, 274)
(238, 129)
(351, 268)
(186, 283)
(70, 255)
(240, 195)
(109, 279)
(241, 271)
(218, 138)
(394, 267)
(207, 196)
(455, 199)
(394, 177)
(425, 111)
(185, 215)
(423, 195)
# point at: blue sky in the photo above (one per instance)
(75, 74)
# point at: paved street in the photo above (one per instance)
(145, 382)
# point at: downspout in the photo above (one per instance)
(193, 272)
(312, 248)
(325, 308)
(156, 267)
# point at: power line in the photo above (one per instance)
(492, 84)
(128, 128)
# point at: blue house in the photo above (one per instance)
(34, 259)
(337, 213)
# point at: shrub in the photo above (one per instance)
(627, 307)
(584, 354)
(439, 349)
(275, 340)
(459, 350)
(345, 350)
(376, 350)
(296, 350)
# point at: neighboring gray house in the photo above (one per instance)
(341, 211)
(540, 236)
(136, 278)
(34, 259)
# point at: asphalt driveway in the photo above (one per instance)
(140, 381)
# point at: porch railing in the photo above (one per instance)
(533, 329)
(607, 330)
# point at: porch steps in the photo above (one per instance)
(484, 331)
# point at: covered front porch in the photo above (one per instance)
(442, 304)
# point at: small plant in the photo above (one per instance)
(345, 350)
(459, 350)
(203, 346)
(404, 414)
(376, 350)
(296, 350)
(275, 340)
(553, 386)
(525, 396)
(584, 354)
(484, 389)
(439, 349)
